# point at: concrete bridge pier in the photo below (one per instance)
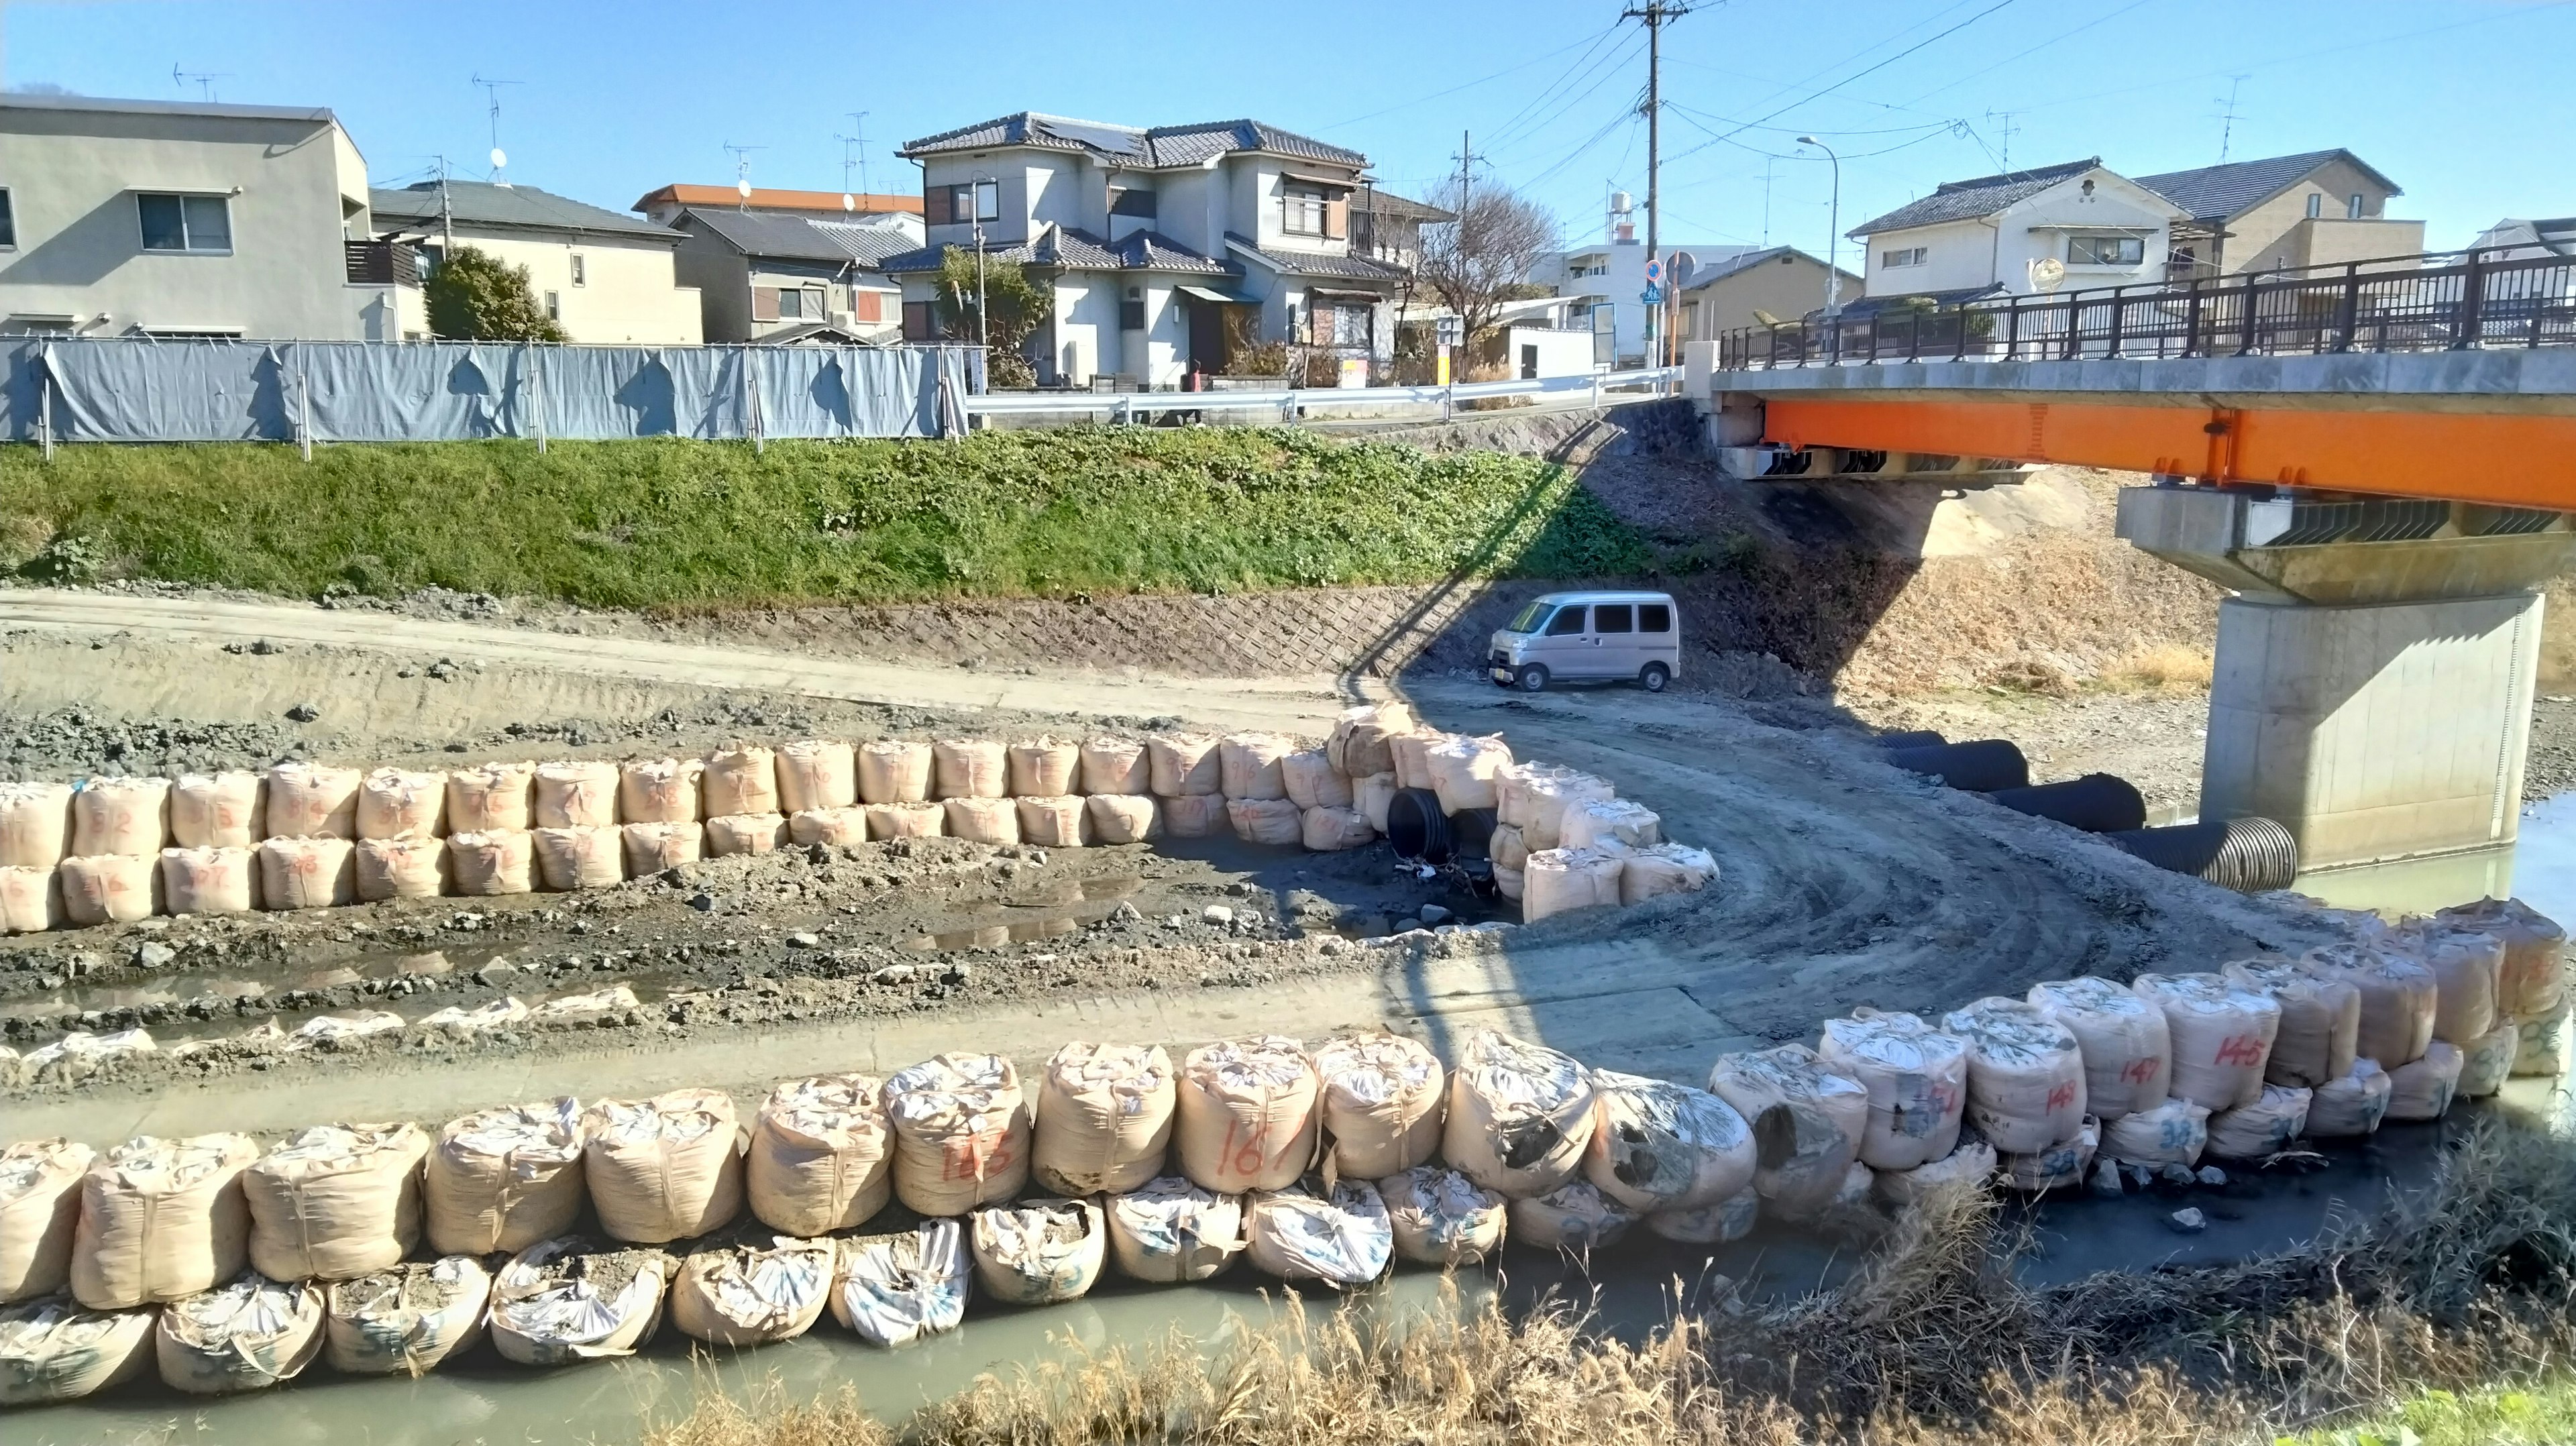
(2375, 665)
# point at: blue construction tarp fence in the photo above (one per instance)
(140, 389)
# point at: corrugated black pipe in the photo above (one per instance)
(2095, 803)
(1910, 738)
(1983, 766)
(2249, 855)
(1418, 830)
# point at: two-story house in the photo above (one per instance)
(604, 278)
(1604, 287)
(787, 276)
(1985, 236)
(1168, 249)
(2318, 208)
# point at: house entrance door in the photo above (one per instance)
(1207, 336)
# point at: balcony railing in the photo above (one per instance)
(380, 263)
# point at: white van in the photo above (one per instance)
(1590, 637)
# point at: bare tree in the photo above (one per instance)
(1486, 256)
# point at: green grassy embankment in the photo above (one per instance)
(698, 525)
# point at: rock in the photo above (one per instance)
(2140, 1176)
(495, 972)
(303, 713)
(1407, 926)
(2106, 1179)
(264, 648)
(1125, 913)
(892, 974)
(1176, 921)
(702, 901)
(2188, 1222)
(154, 955)
(1037, 856)
(1217, 914)
(1432, 914)
(2212, 1175)
(956, 974)
(2178, 1175)
(1239, 889)
(802, 939)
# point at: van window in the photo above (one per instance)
(1613, 618)
(1567, 622)
(1529, 619)
(1654, 618)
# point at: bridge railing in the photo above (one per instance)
(2440, 301)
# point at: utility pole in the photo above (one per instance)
(446, 216)
(1655, 13)
(1767, 163)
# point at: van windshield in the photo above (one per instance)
(1530, 618)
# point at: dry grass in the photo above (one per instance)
(2471, 1289)
(2165, 667)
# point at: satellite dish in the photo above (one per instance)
(499, 160)
(742, 188)
(849, 202)
(2047, 274)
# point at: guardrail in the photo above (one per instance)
(1290, 402)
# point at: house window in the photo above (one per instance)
(1131, 316)
(1301, 210)
(920, 321)
(2316, 204)
(1350, 324)
(2352, 207)
(1901, 256)
(554, 306)
(791, 305)
(202, 224)
(976, 201)
(8, 222)
(580, 270)
(1127, 201)
(867, 305)
(2105, 250)
(1590, 266)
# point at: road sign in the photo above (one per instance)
(1653, 295)
(1654, 270)
(1451, 330)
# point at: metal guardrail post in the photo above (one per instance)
(2191, 321)
(2118, 307)
(2012, 329)
(2245, 321)
(45, 403)
(2468, 328)
(2348, 311)
(303, 413)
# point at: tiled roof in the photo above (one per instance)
(1399, 208)
(2217, 193)
(1973, 199)
(803, 238)
(1742, 258)
(1182, 145)
(1872, 305)
(1296, 263)
(765, 198)
(1077, 250)
(488, 203)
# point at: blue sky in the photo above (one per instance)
(2467, 104)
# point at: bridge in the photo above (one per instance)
(2378, 460)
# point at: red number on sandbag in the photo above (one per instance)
(1248, 1157)
(2062, 1096)
(2244, 1049)
(2143, 1068)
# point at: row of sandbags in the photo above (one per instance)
(1563, 840)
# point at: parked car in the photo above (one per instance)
(1590, 637)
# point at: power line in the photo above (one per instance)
(1546, 93)
(1541, 125)
(2025, 54)
(1848, 79)
(1453, 90)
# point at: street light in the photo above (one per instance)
(1833, 231)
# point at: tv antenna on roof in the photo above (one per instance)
(2227, 117)
(492, 92)
(742, 170)
(2005, 131)
(205, 80)
(855, 144)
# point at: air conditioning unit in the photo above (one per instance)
(847, 321)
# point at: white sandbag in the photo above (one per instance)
(1664, 868)
(2025, 1075)
(653, 847)
(1038, 1252)
(1043, 768)
(312, 800)
(505, 1178)
(207, 811)
(1917, 1078)
(1246, 1116)
(393, 803)
(31, 900)
(1195, 815)
(828, 827)
(209, 880)
(1972, 1163)
(659, 790)
(1382, 1101)
(2533, 979)
(1270, 822)
(2261, 1129)
(334, 1202)
(483, 865)
(895, 1289)
(970, 768)
(336, 1029)
(464, 1022)
(754, 1293)
(2222, 1036)
(739, 778)
(584, 1008)
(665, 1168)
(245, 1335)
(1729, 1219)
(1510, 883)
(817, 773)
(961, 1133)
(1183, 764)
(128, 816)
(592, 857)
(821, 1156)
(108, 888)
(2061, 1166)
(2173, 1133)
(1557, 881)
(2424, 1088)
(1341, 1237)
(2467, 970)
(1372, 794)
(399, 868)
(407, 1319)
(1543, 821)
(1409, 753)
(2545, 1043)
(1334, 830)
(894, 770)
(984, 820)
(1248, 765)
(1507, 849)
(1659, 1146)
(1462, 771)
(575, 1299)
(2320, 1020)
(1104, 1118)
(1120, 818)
(1786, 1094)
(79, 1054)
(1572, 1217)
(1860, 1188)
(1617, 820)
(2350, 1105)
(40, 1182)
(573, 794)
(35, 824)
(307, 873)
(495, 795)
(1520, 1115)
(55, 1350)
(1311, 781)
(906, 820)
(1359, 745)
(745, 833)
(1440, 1217)
(1115, 766)
(2398, 999)
(1168, 1230)
(1053, 822)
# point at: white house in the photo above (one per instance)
(1604, 287)
(1982, 237)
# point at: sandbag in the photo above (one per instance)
(1120, 818)
(334, 1202)
(1339, 1236)
(984, 820)
(245, 1335)
(1382, 1100)
(1614, 820)
(1246, 1117)
(1520, 1115)
(1311, 781)
(895, 1289)
(664, 1168)
(1168, 1231)
(407, 1319)
(739, 778)
(2320, 1020)
(754, 1293)
(1557, 881)
(1194, 815)
(1572, 1217)
(1408, 752)
(1729, 1219)
(2533, 979)
(906, 820)
(108, 888)
(2467, 974)
(36, 824)
(2544, 1043)
(307, 873)
(1514, 785)
(2261, 1129)
(2173, 1133)
(40, 1184)
(1462, 771)
(1272, 822)
(209, 880)
(2423, 1089)
(2059, 1167)
(80, 1053)
(1972, 1162)
(1510, 883)
(495, 795)
(312, 800)
(1917, 1078)
(2222, 1036)
(1659, 1146)
(505, 1178)
(970, 768)
(1248, 766)
(31, 900)
(398, 868)
(1664, 868)
(161, 1219)
(894, 770)
(745, 833)
(1115, 766)
(503, 861)
(828, 827)
(961, 1133)
(576, 1299)
(2352, 1104)
(54, 1350)
(821, 1156)
(1055, 822)
(592, 857)
(1372, 794)
(1359, 745)
(2025, 1075)
(207, 811)
(1440, 1217)
(1334, 830)
(654, 847)
(574, 794)
(659, 790)
(2398, 1000)
(1039, 1252)
(817, 773)
(393, 803)
(1808, 1123)
(1043, 768)
(129, 816)
(1506, 848)
(1183, 764)
(1543, 821)
(1104, 1118)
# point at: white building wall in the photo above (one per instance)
(1086, 329)
(629, 291)
(1964, 255)
(1960, 255)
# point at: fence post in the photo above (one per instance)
(1596, 394)
(2012, 329)
(2191, 322)
(537, 383)
(2468, 331)
(2349, 321)
(2245, 322)
(45, 399)
(2118, 307)
(303, 411)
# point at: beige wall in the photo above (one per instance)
(2329, 242)
(2261, 238)
(1785, 291)
(628, 294)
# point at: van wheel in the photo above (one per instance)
(1533, 678)
(1655, 676)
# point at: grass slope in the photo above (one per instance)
(682, 524)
